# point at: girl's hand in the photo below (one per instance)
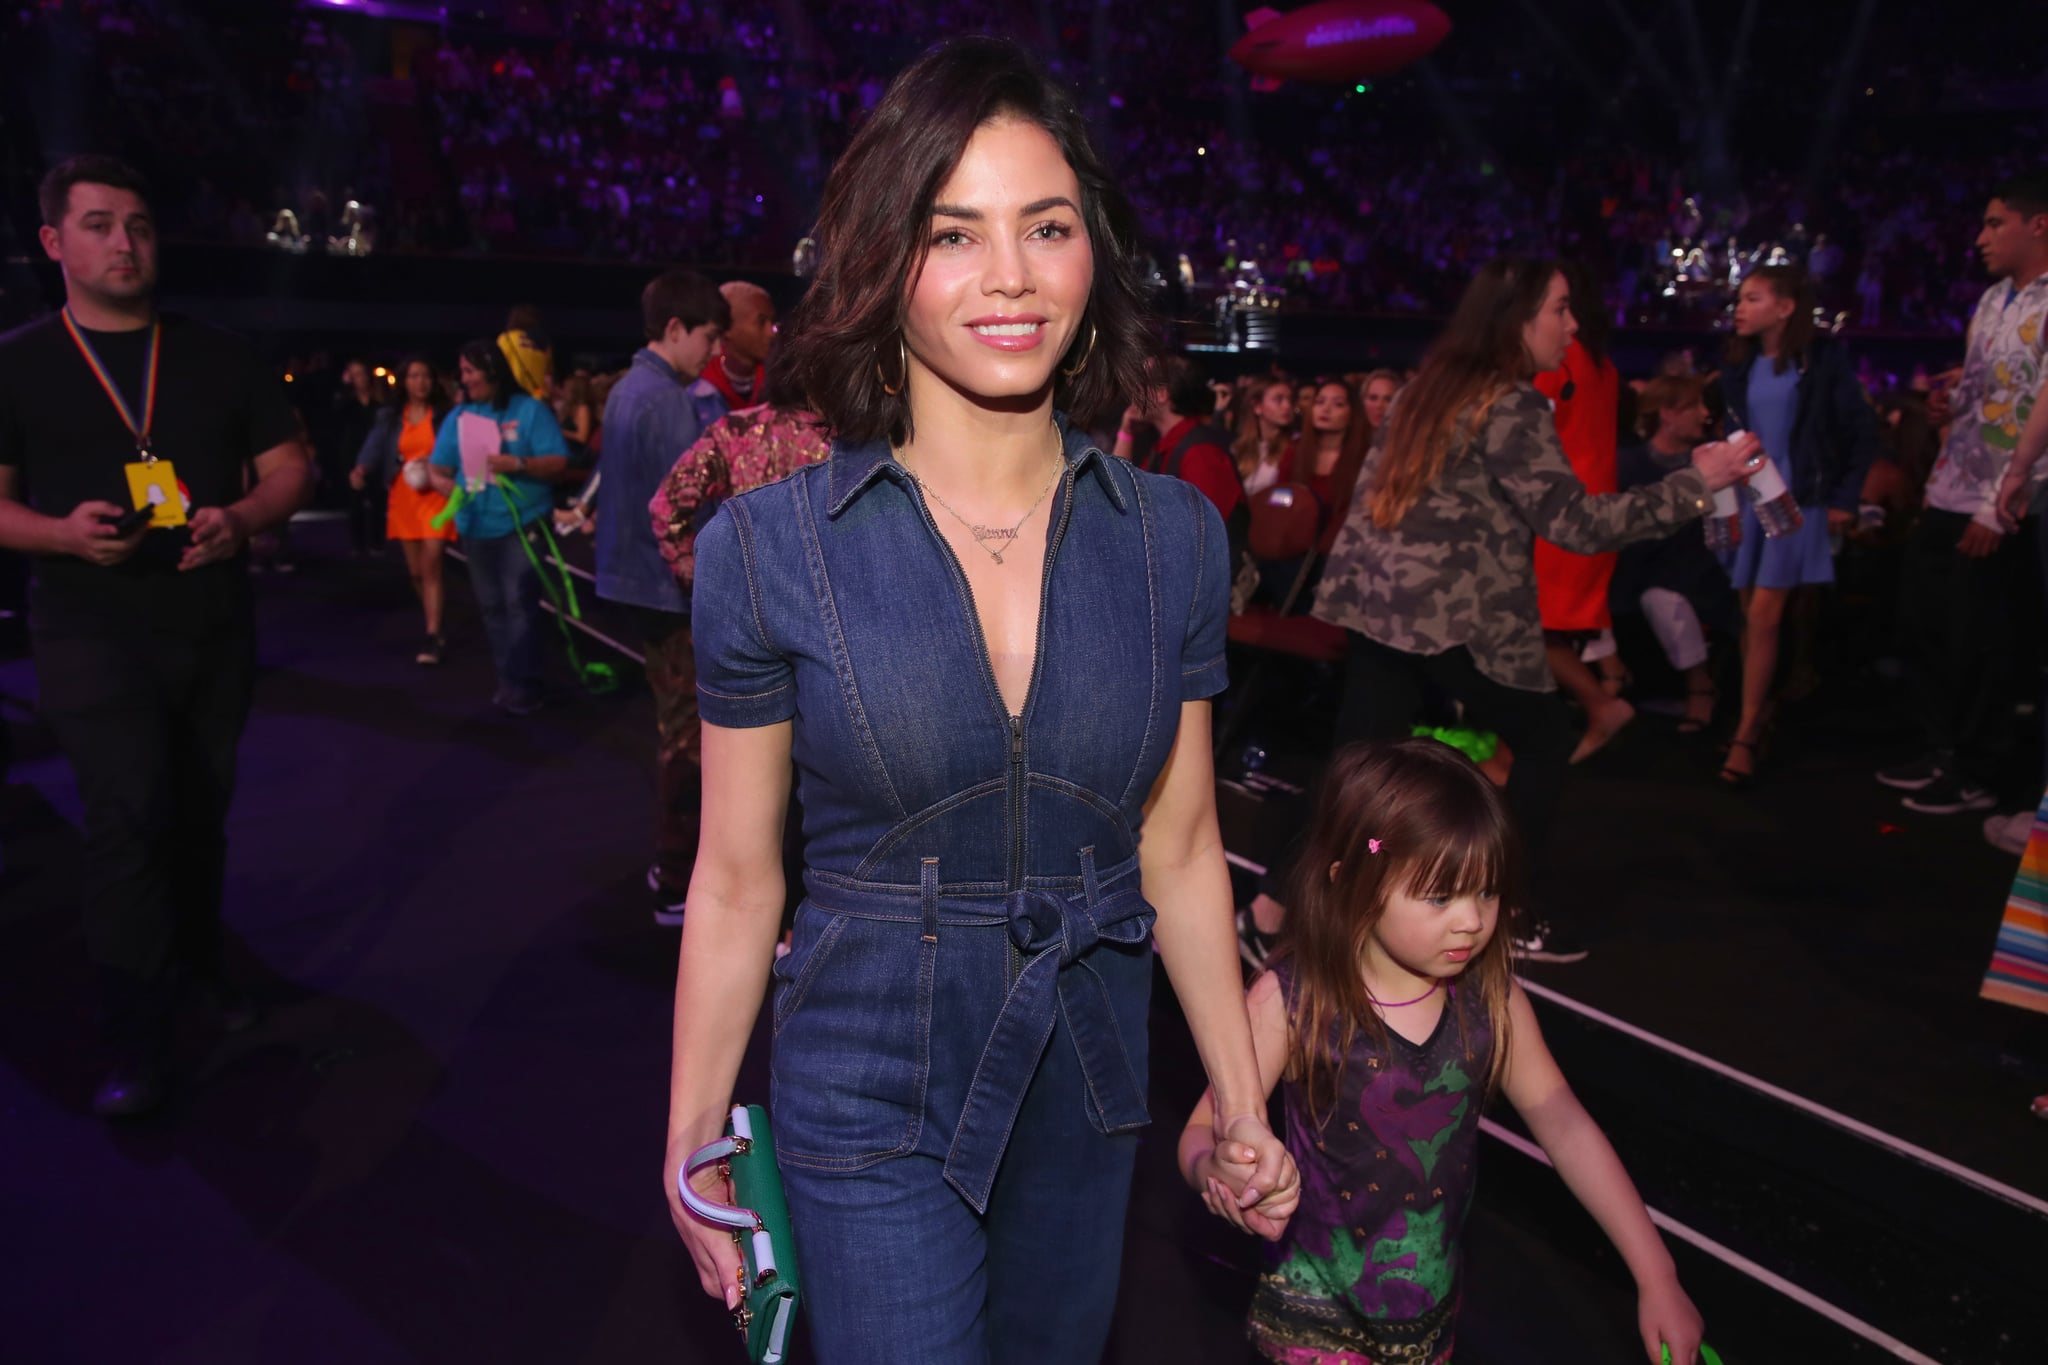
(1255, 1167)
(1218, 1199)
(712, 1249)
(1666, 1317)
(1723, 463)
(1221, 1182)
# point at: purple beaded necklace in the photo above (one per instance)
(1401, 1004)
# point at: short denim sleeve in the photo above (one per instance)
(1203, 672)
(742, 683)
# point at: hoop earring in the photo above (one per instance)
(903, 356)
(1086, 351)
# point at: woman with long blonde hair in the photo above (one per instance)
(1433, 573)
(1265, 434)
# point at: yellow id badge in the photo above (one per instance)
(156, 482)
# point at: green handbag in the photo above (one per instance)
(760, 1226)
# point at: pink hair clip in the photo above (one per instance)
(1372, 845)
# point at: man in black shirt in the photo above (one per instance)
(144, 637)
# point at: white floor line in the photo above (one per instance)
(566, 567)
(1737, 1261)
(1998, 1189)
(635, 655)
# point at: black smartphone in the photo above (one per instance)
(128, 525)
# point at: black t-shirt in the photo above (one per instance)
(217, 408)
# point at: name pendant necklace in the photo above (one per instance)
(1002, 536)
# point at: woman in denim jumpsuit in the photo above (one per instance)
(960, 1026)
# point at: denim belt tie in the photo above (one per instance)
(1055, 933)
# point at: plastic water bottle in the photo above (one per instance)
(1723, 526)
(1776, 509)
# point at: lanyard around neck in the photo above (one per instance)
(140, 430)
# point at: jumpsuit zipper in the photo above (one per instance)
(1015, 780)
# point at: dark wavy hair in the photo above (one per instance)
(874, 229)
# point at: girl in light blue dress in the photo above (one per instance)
(1798, 392)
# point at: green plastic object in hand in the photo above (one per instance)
(446, 516)
(1708, 1355)
(559, 588)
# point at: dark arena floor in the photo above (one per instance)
(443, 1143)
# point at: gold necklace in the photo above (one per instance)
(1003, 536)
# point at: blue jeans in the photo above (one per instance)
(898, 1267)
(508, 592)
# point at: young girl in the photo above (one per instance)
(1392, 1016)
(1797, 390)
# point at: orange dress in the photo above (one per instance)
(410, 513)
(1571, 589)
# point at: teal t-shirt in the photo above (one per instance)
(526, 429)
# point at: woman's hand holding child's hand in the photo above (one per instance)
(1249, 1180)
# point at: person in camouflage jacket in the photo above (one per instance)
(1433, 575)
(1459, 569)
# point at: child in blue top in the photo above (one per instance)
(1796, 390)
(531, 455)
(1391, 1015)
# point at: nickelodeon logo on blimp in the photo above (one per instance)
(1338, 40)
(1355, 31)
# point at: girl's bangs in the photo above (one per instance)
(1471, 857)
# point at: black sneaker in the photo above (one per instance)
(668, 905)
(430, 652)
(1911, 777)
(1538, 940)
(1947, 795)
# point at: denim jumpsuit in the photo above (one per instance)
(960, 1026)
